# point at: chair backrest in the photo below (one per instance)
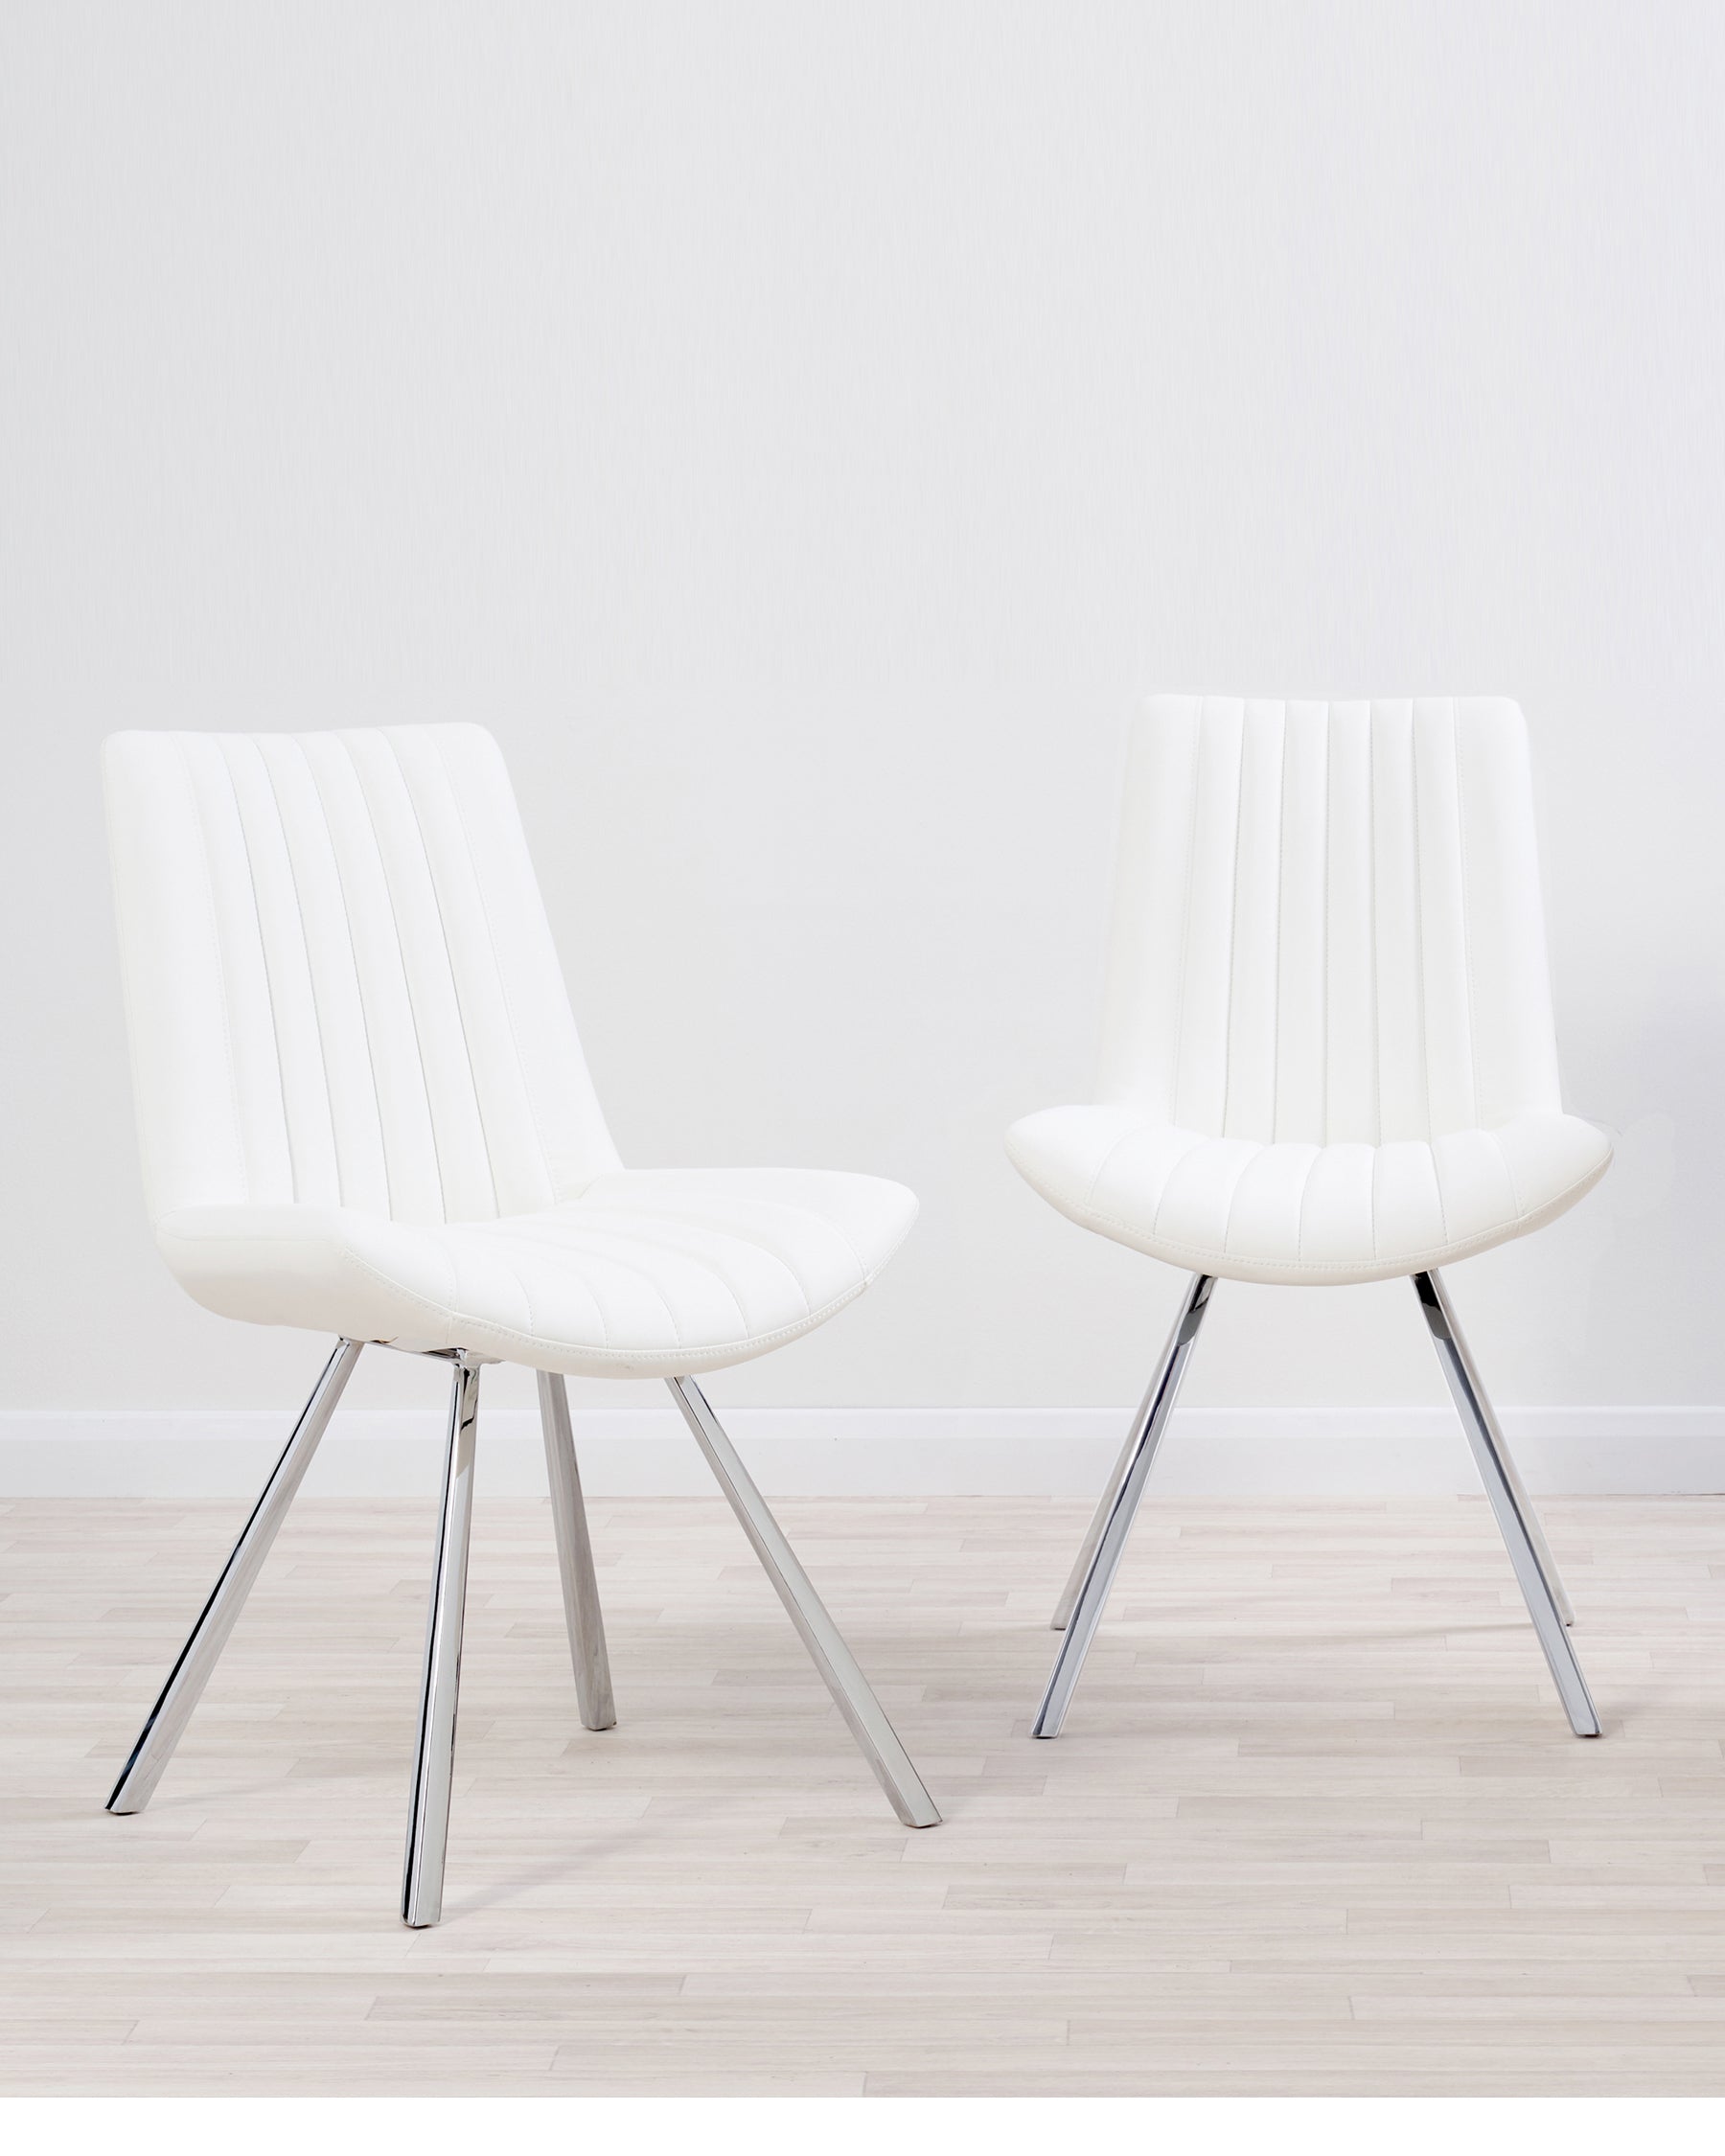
(340, 983)
(1327, 924)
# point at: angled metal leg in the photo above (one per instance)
(1515, 1519)
(838, 1665)
(199, 1657)
(1111, 1489)
(582, 1612)
(434, 1760)
(1120, 1506)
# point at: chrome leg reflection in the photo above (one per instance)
(1112, 1524)
(851, 1690)
(582, 1612)
(1110, 1490)
(434, 1761)
(199, 1657)
(1515, 1518)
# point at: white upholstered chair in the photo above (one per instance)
(1327, 1054)
(363, 1110)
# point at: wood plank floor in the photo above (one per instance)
(1317, 1825)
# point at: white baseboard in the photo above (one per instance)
(912, 1452)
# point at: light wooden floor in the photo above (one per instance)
(1316, 1824)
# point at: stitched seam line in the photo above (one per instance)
(503, 990)
(269, 996)
(569, 1260)
(1282, 894)
(413, 1016)
(443, 932)
(299, 921)
(1195, 1257)
(1233, 1196)
(1324, 1037)
(1372, 1002)
(1508, 1171)
(1305, 1191)
(1425, 1050)
(1473, 1047)
(757, 1343)
(1234, 931)
(221, 975)
(1161, 1196)
(359, 997)
(1185, 930)
(651, 1225)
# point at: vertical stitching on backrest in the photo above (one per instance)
(222, 742)
(1186, 931)
(1234, 931)
(419, 1045)
(461, 1016)
(1425, 1037)
(503, 990)
(323, 1060)
(1323, 863)
(1372, 1004)
(1473, 1052)
(359, 996)
(227, 1023)
(1281, 875)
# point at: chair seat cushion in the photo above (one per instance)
(1312, 1214)
(648, 1273)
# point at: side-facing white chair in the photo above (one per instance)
(1328, 1054)
(363, 1110)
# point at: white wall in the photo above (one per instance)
(803, 433)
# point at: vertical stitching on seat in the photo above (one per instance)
(1233, 1196)
(1509, 1172)
(1437, 1186)
(1174, 1166)
(1305, 1192)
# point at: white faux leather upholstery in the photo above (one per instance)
(362, 1105)
(1329, 1052)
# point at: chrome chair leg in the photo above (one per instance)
(199, 1657)
(1112, 1524)
(582, 1612)
(1093, 1534)
(851, 1690)
(434, 1757)
(1515, 1516)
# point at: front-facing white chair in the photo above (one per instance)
(1328, 1053)
(363, 1110)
